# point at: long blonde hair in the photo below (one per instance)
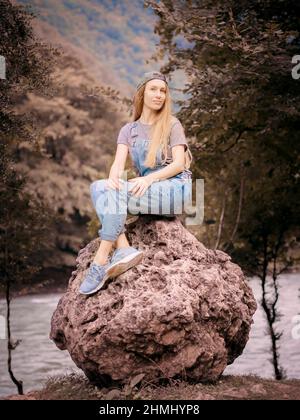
(160, 130)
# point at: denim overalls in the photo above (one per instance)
(167, 197)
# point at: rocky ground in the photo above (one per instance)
(77, 387)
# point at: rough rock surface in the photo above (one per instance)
(185, 311)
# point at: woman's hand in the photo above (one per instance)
(115, 183)
(142, 183)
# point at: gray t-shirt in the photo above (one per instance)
(177, 135)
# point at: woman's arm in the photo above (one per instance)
(120, 160)
(117, 168)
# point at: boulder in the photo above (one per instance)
(184, 312)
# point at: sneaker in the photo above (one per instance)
(94, 279)
(123, 259)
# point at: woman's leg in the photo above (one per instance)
(104, 249)
(163, 197)
(101, 256)
(111, 209)
(108, 203)
(121, 242)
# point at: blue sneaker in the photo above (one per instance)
(94, 279)
(123, 259)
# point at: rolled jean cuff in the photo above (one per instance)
(107, 237)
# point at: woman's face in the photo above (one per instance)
(155, 94)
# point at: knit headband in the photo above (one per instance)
(151, 75)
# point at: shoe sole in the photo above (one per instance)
(125, 264)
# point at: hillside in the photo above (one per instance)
(78, 132)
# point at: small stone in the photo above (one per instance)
(114, 394)
(258, 389)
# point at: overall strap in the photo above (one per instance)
(133, 129)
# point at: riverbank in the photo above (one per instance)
(229, 387)
(56, 282)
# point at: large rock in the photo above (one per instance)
(185, 311)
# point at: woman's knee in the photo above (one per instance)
(97, 185)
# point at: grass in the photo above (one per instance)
(249, 387)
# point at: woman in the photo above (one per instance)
(161, 156)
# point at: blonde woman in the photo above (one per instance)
(161, 156)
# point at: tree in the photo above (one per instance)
(25, 225)
(242, 115)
